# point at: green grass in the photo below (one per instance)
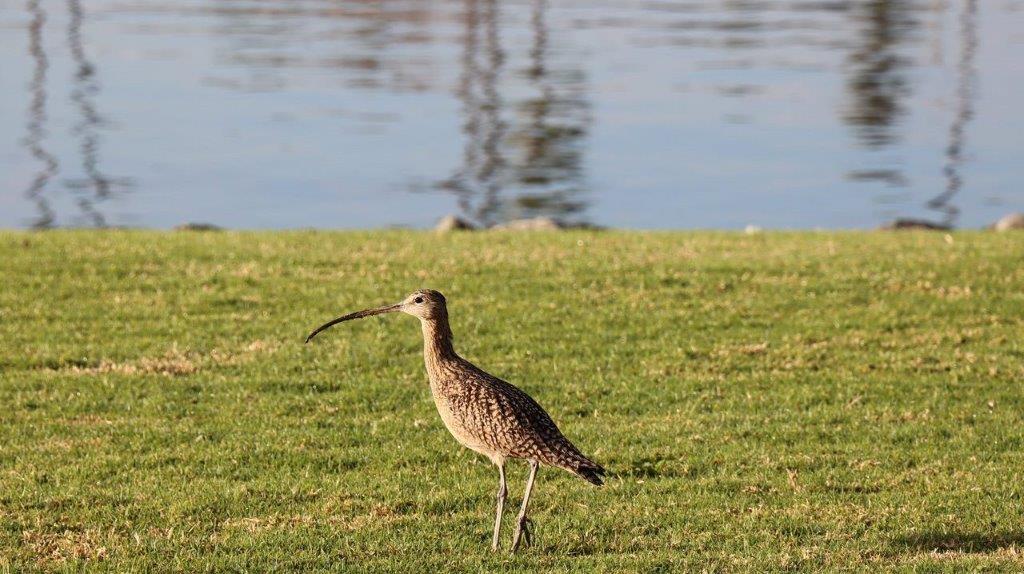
(785, 401)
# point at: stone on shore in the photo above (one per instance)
(451, 223)
(532, 224)
(911, 224)
(191, 226)
(1009, 222)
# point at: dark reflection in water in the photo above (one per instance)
(477, 182)
(878, 84)
(36, 126)
(533, 165)
(96, 186)
(879, 89)
(364, 39)
(673, 113)
(965, 96)
(549, 166)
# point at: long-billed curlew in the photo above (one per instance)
(483, 412)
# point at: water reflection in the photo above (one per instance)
(331, 98)
(95, 187)
(878, 85)
(37, 117)
(549, 139)
(965, 95)
(366, 40)
(477, 181)
(532, 166)
(879, 89)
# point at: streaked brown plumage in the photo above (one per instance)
(483, 412)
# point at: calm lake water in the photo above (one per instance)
(646, 114)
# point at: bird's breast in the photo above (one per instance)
(456, 421)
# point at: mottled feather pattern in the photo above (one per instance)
(483, 412)
(501, 418)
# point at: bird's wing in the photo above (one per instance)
(519, 427)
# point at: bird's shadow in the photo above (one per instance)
(959, 541)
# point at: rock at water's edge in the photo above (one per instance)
(905, 224)
(450, 223)
(534, 224)
(191, 226)
(1009, 221)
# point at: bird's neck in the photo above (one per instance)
(437, 341)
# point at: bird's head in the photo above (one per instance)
(426, 304)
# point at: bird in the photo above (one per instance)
(484, 413)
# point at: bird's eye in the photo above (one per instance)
(419, 299)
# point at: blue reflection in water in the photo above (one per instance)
(371, 113)
(37, 118)
(538, 157)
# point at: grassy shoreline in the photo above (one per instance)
(779, 401)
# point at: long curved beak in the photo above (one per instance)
(356, 315)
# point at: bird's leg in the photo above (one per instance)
(502, 494)
(521, 522)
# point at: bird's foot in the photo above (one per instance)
(524, 534)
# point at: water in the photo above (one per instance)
(372, 113)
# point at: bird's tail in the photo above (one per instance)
(563, 454)
(571, 459)
(592, 473)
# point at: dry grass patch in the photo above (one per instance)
(49, 547)
(173, 363)
(177, 363)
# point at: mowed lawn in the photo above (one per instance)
(781, 401)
